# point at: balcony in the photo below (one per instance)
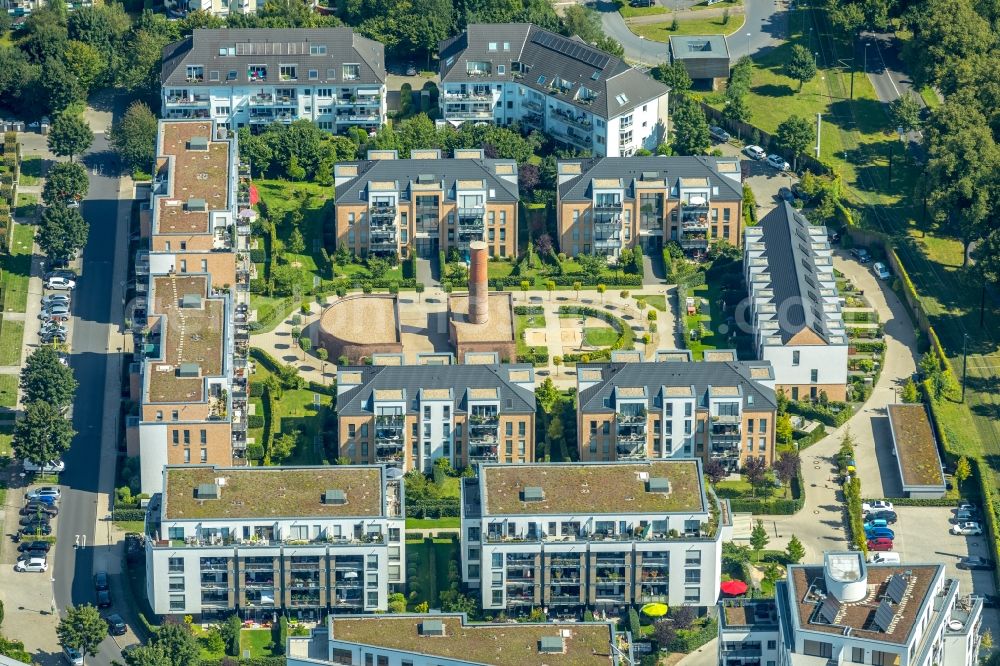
(533, 120)
(608, 243)
(382, 211)
(564, 599)
(631, 449)
(572, 139)
(475, 94)
(533, 106)
(391, 454)
(608, 204)
(577, 120)
(462, 114)
(483, 453)
(697, 242)
(189, 101)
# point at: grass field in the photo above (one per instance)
(6, 433)
(661, 32)
(258, 641)
(8, 390)
(26, 207)
(430, 557)
(296, 411)
(628, 11)
(600, 336)
(432, 523)
(16, 268)
(658, 301)
(315, 202)
(31, 171)
(11, 336)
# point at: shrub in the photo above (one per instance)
(255, 421)
(255, 451)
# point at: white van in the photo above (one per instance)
(883, 558)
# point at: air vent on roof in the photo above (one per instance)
(532, 494)
(334, 496)
(189, 370)
(426, 178)
(550, 644)
(191, 301)
(658, 484)
(197, 205)
(432, 628)
(198, 143)
(207, 491)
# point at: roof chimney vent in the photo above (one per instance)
(191, 301)
(335, 497)
(208, 491)
(658, 484)
(198, 143)
(432, 628)
(532, 494)
(197, 205)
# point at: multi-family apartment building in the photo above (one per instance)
(254, 77)
(577, 94)
(190, 319)
(448, 639)
(262, 540)
(794, 305)
(409, 416)
(607, 204)
(598, 535)
(850, 612)
(712, 410)
(176, 8)
(425, 204)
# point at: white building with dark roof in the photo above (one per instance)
(241, 77)
(578, 94)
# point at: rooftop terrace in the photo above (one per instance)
(197, 174)
(501, 644)
(279, 492)
(614, 488)
(188, 335)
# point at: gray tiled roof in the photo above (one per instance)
(273, 47)
(654, 376)
(358, 401)
(445, 171)
(549, 55)
(631, 169)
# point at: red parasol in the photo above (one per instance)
(733, 587)
(254, 196)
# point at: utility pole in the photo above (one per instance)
(965, 362)
(890, 164)
(819, 127)
(867, 44)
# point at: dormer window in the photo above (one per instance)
(288, 72)
(317, 49)
(195, 73)
(492, 46)
(351, 72)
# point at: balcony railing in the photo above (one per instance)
(573, 119)
(195, 100)
(469, 95)
(572, 139)
(608, 243)
(483, 453)
(533, 105)
(383, 211)
(460, 114)
(608, 204)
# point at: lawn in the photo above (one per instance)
(26, 207)
(599, 336)
(130, 525)
(658, 301)
(271, 310)
(8, 390)
(499, 269)
(315, 202)
(526, 321)
(16, 268)
(6, 433)
(296, 410)
(259, 641)
(11, 335)
(661, 32)
(628, 11)
(432, 523)
(31, 171)
(430, 558)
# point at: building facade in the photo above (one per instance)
(605, 205)
(262, 540)
(441, 639)
(721, 411)
(426, 204)
(190, 318)
(254, 77)
(850, 612)
(566, 536)
(579, 95)
(409, 416)
(794, 305)
(177, 8)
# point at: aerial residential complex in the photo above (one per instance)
(605, 205)
(253, 77)
(447, 639)
(189, 376)
(794, 305)
(214, 7)
(426, 204)
(847, 611)
(721, 410)
(578, 94)
(305, 540)
(409, 416)
(599, 535)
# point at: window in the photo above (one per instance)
(298, 532)
(372, 599)
(351, 72)
(175, 565)
(692, 576)
(317, 49)
(177, 602)
(187, 456)
(763, 426)
(288, 72)
(492, 46)
(222, 110)
(857, 654)
(749, 425)
(692, 558)
(427, 412)
(497, 597)
(176, 584)
(204, 455)
(795, 358)
(204, 436)
(772, 645)
(817, 649)
(497, 560)
(814, 376)
(175, 434)
(351, 430)
(313, 74)
(692, 595)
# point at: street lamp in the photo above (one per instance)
(867, 44)
(748, 44)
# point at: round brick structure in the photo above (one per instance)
(360, 325)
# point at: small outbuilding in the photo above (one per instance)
(916, 450)
(705, 57)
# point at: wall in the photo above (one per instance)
(153, 456)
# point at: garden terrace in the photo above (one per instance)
(613, 488)
(916, 448)
(279, 492)
(194, 175)
(188, 335)
(501, 644)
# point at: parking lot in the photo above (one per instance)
(764, 180)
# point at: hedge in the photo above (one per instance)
(128, 514)
(529, 310)
(257, 255)
(855, 522)
(255, 421)
(626, 338)
(269, 362)
(535, 356)
(609, 280)
(776, 507)
(256, 389)
(689, 640)
(821, 413)
(437, 508)
(868, 346)
(250, 661)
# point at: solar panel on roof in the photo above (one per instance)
(884, 616)
(828, 611)
(897, 588)
(572, 49)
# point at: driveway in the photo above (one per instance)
(763, 179)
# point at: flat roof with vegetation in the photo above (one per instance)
(271, 492)
(916, 448)
(197, 174)
(516, 644)
(593, 488)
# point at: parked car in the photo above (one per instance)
(50, 337)
(967, 529)
(34, 565)
(43, 491)
(50, 500)
(880, 544)
(778, 162)
(72, 203)
(31, 554)
(975, 563)
(37, 529)
(966, 516)
(800, 192)
(861, 254)
(60, 283)
(101, 581)
(883, 558)
(719, 134)
(55, 310)
(875, 522)
(879, 533)
(37, 517)
(966, 506)
(55, 299)
(73, 656)
(103, 598)
(42, 546)
(877, 505)
(881, 270)
(411, 69)
(69, 275)
(754, 152)
(116, 625)
(785, 194)
(888, 516)
(51, 467)
(34, 507)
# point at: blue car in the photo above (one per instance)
(879, 533)
(876, 522)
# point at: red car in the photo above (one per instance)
(882, 543)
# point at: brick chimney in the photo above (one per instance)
(479, 291)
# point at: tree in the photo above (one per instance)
(283, 446)
(910, 393)
(683, 617)
(577, 285)
(665, 633)
(904, 111)
(230, 632)
(178, 643)
(397, 603)
(736, 109)
(543, 245)
(755, 472)
(610, 46)
(58, 87)
(675, 76)
(795, 135)
(65, 181)
(759, 538)
(601, 288)
(86, 62)
(296, 244)
(82, 628)
(715, 471)
(44, 434)
(783, 429)
(554, 432)
(801, 65)
(787, 466)
(795, 551)
(583, 22)
(63, 231)
(633, 621)
(134, 138)
(557, 361)
(690, 129)
(44, 378)
(550, 287)
(591, 264)
(963, 470)
(69, 135)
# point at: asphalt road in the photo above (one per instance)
(887, 72)
(92, 309)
